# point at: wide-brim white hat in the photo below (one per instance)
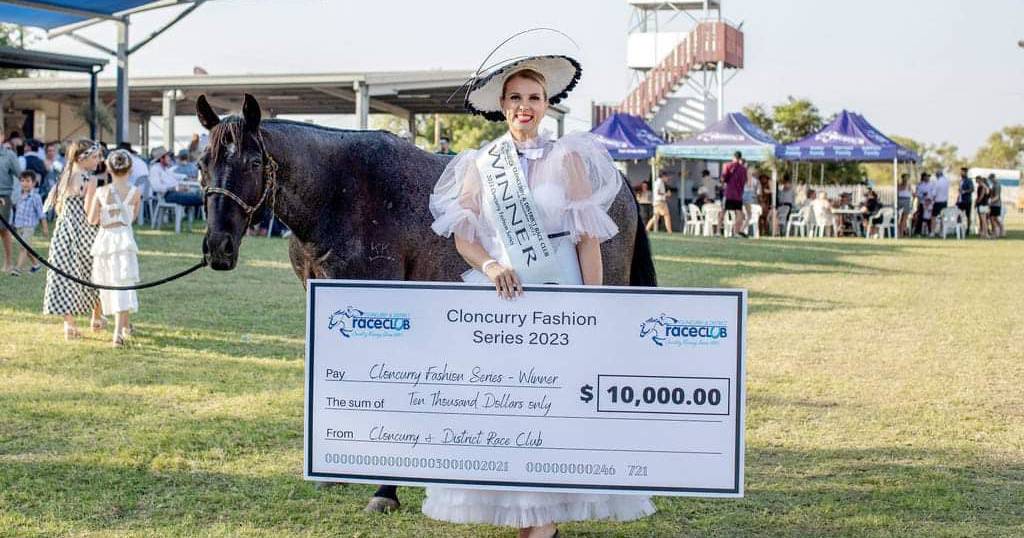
(562, 73)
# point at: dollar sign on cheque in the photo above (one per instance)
(586, 393)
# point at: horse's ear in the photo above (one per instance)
(251, 113)
(207, 117)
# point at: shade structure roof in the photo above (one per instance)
(627, 137)
(849, 137)
(33, 59)
(397, 92)
(720, 141)
(50, 14)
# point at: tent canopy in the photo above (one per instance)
(718, 142)
(849, 137)
(50, 14)
(627, 137)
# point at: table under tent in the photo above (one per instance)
(850, 137)
(717, 144)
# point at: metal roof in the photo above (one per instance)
(50, 14)
(34, 59)
(396, 92)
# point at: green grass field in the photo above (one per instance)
(885, 398)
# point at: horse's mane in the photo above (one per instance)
(232, 125)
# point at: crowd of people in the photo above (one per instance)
(89, 196)
(918, 211)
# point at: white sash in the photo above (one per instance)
(516, 214)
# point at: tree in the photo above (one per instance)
(760, 116)
(1002, 149)
(465, 131)
(15, 36)
(795, 119)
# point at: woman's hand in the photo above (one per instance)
(505, 279)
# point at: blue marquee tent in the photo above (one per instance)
(850, 137)
(718, 142)
(627, 137)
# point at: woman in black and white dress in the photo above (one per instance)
(572, 182)
(71, 244)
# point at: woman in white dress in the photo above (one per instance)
(115, 254)
(571, 183)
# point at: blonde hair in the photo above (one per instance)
(119, 162)
(528, 74)
(79, 150)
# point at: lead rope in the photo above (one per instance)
(86, 283)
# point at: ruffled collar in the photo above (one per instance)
(535, 147)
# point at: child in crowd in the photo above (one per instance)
(28, 212)
(115, 254)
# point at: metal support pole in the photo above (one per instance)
(775, 190)
(821, 175)
(561, 126)
(412, 128)
(144, 136)
(362, 104)
(122, 114)
(437, 130)
(720, 74)
(94, 99)
(896, 197)
(169, 112)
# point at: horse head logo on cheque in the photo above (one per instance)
(656, 328)
(342, 320)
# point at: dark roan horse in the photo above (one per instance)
(356, 203)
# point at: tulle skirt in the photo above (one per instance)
(528, 509)
(115, 263)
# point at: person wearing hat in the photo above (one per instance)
(444, 147)
(162, 179)
(570, 184)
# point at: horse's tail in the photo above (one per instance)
(641, 268)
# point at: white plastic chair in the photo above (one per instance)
(884, 228)
(728, 223)
(177, 211)
(823, 221)
(798, 221)
(711, 213)
(950, 220)
(694, 220)
(754, 220)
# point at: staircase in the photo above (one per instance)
(706, 45)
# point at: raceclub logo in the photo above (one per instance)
(666, 330)
(355, 323)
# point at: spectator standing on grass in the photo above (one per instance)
(71, 243)
(981, 199)
(995, 207)
(922, 217)
(660, 198)
(114, 252)
(28, 213)
(54, 164)
(904, 202)
(9, 172)
(963, 200)
(735, 178)
(645, 200)
(940, 200)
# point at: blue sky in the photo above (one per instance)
(940, 70)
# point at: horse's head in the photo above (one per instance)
(233, 178)
(649, 325)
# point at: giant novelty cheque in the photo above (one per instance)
(567, 388)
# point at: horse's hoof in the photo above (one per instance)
(381, 505)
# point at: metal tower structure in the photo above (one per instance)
(683, 54)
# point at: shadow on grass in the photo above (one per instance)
(856, 492)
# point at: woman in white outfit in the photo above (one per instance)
(571, 183)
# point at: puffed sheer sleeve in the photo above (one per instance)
(592, 183)
(455, 202)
